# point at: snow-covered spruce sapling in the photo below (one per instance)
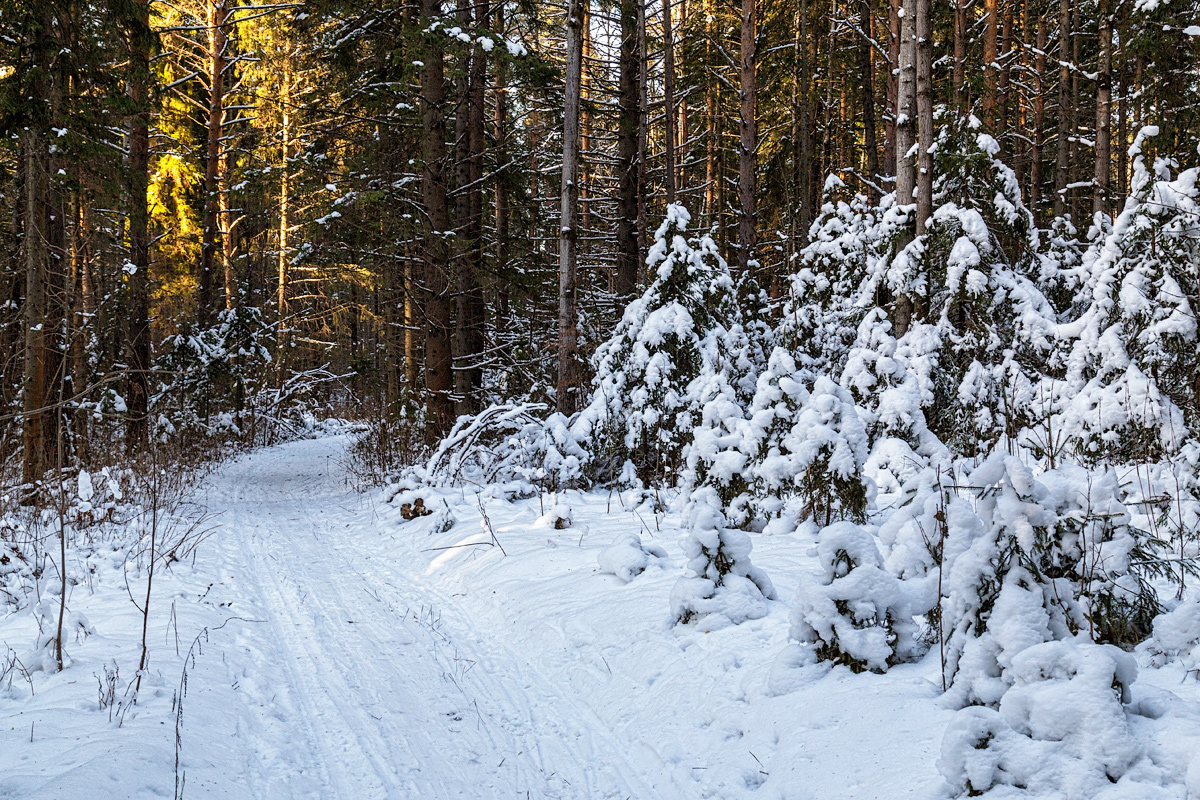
(1044, 559)
(722, 586)
(642, 408)
(804, 439)
(1131, 376)
(1062, 730)
(857, 613)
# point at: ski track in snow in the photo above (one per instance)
(377, 687)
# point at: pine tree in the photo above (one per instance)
(646, 399)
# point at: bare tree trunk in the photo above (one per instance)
(906, 177)
(35, 422)
(1004, 56)
(1062, 155)
(668, 97)
(804, 133)
(890, 147)
(629, 117)
(470, 319)
(1122, 149)
(285, 222)
(906, 130)
(585, 122)
(643, 140)
(1103, 110)
(438, 383)
(568, 322)
(991, 52)
(866, 60)
(924, 103)
(710, 116)
(748, 139)
(1036, 166)
(500, 127)
(141, 40)
(960, 55)
(211, 247)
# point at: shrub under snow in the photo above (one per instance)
(1062, 730)
(722, 587)
(859, 614)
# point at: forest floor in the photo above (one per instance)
(323, 647)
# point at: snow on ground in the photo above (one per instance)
(340, 651)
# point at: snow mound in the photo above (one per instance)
(627, 557)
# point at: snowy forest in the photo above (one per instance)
(641, 399)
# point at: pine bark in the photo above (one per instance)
(668, 100)
(439, 406)
(1103, 165)
(748, 139)
(1062, 152)
(628, 120)
(924, 104)
(141, 40)
(568, 320)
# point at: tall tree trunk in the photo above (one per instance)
(643, 138)
(866, 61)
(991, 53)
(500, 126)
(438, 382)
(141, 42)
(906, 177)
(668, 96)
(585, 122)
(960, 55)
(36, 422)
(924, 103)
(629, 115)
(285, 222)
(568, 321)
(1036, 166)
(212, 249)
(748, 139)
(1103, 110)
(710, 117)
(890, 147)
(1062, 153)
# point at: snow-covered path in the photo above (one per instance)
(340, 651)
(365, 684)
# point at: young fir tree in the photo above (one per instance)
(981, 330)
(857, 613)
(804, 440)
(1131, 388)
(644, 405)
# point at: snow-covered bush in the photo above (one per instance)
(627, 557)
(644, 405)
(804, 438)
(1062, 730)
(1176, 636)
(857, 613)
(507, 443)
(1043, 560)
(722, 586)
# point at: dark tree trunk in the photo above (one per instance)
(748, 140)
(439, 404)
(628, 119)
